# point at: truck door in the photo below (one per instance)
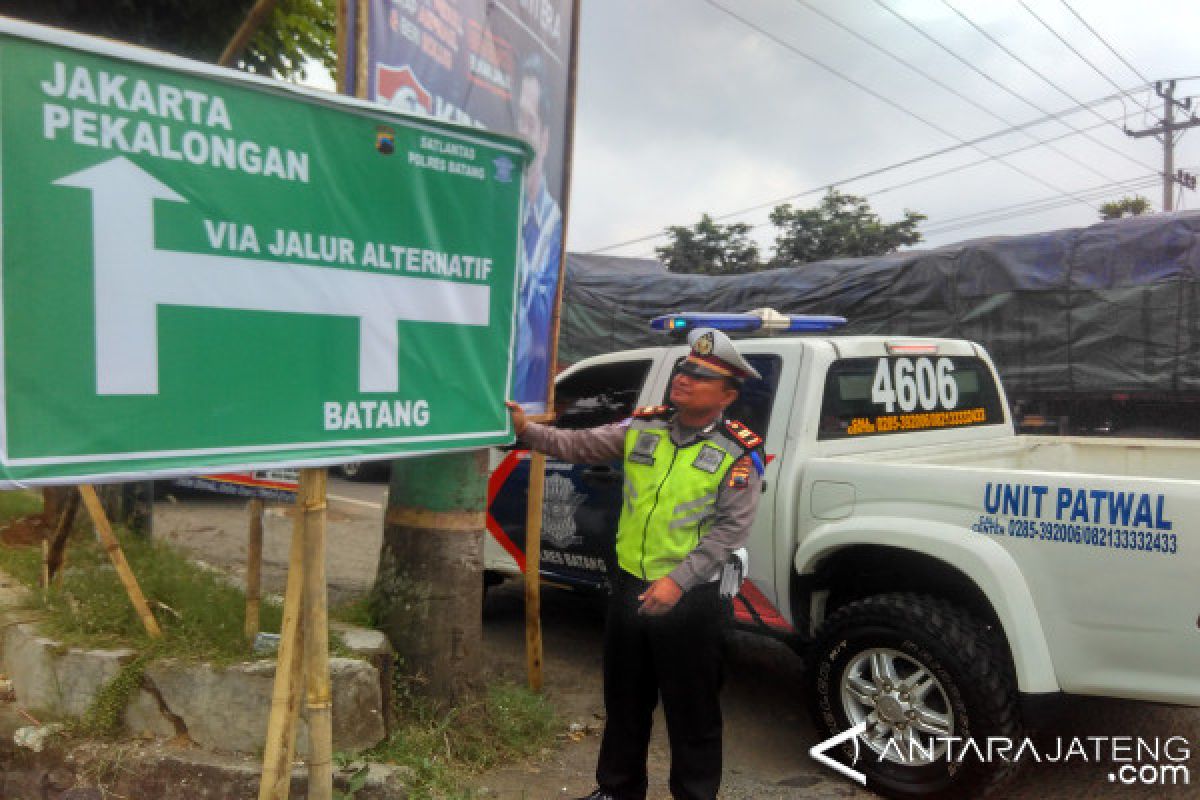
(581, 502)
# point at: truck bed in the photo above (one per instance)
(1142, 458)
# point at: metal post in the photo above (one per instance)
(1168, 147)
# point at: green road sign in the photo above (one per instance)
(204, 270)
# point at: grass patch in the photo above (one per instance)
(104, 717)
(356, 612)
(446, 748)
(19, 503)
(200, 613)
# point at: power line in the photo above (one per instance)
(933, 79)
(961, 142)
(1072, 48)
(1002, 213)
(937, 43)
(872, 193)
(923, 157)
(1146, 183)
(909, 112)
(1025, 64)
(1032, 206)
(1046, 204)
(885, 169)
(1104, 41)
(976, 163)
(1016, 210)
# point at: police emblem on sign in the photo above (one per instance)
(708, 459)
(643, 448)
(504, 169)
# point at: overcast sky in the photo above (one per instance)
(684, 109)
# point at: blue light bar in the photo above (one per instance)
(811, 322)
(680, 323)
(759, 320)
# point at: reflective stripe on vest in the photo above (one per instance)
(670, 495)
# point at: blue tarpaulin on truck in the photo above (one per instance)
(1113, 307)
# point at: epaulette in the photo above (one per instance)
(748, 438)
(647, 412)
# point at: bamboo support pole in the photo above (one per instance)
(537, 464)
(533, 582)
(311, 503)
(45, 569)
(104, 531)
(254, 551)
(250, 25)
(361, 67)
(289, 676)
(344, 38)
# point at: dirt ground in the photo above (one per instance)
(767, 731)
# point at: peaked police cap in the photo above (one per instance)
(713, 355)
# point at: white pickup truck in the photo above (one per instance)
(934, 568)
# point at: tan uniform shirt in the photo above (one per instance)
(734, 509)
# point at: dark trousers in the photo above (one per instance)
(676, 656)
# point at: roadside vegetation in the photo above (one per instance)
(18, 504)
(202, 618)
(201, 614)
(445, 748)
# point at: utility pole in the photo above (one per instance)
(1166, 90)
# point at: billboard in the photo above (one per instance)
(501, 65)
(203, 270)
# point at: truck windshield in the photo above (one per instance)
(599, 395)
(898, 394)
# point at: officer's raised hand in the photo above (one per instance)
(518, 416)
(660, 598)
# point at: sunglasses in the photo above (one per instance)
(697, 372)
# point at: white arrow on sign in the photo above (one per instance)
(133, 278)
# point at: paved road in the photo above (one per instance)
(214, 529)
(768, 733)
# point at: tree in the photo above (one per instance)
(1125, 207)
(299, 29)
(428, 591)
(709, 248)
(842, 225)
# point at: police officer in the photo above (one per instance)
(692, 483)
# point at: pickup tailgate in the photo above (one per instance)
(1111, 562)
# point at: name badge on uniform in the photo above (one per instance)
(643, 448)
(709, 459)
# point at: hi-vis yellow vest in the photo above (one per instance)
(670, 492)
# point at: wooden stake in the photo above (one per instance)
(57, 555)
(537, 464)
(45, 569)
(533, 560)
(104, 531)
(361, 67)
(254, 549)
(289, 676)
(344, 38)
(311, 502)
(250, 25)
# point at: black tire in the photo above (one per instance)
(974, 691)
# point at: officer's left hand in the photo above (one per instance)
(660, 598)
